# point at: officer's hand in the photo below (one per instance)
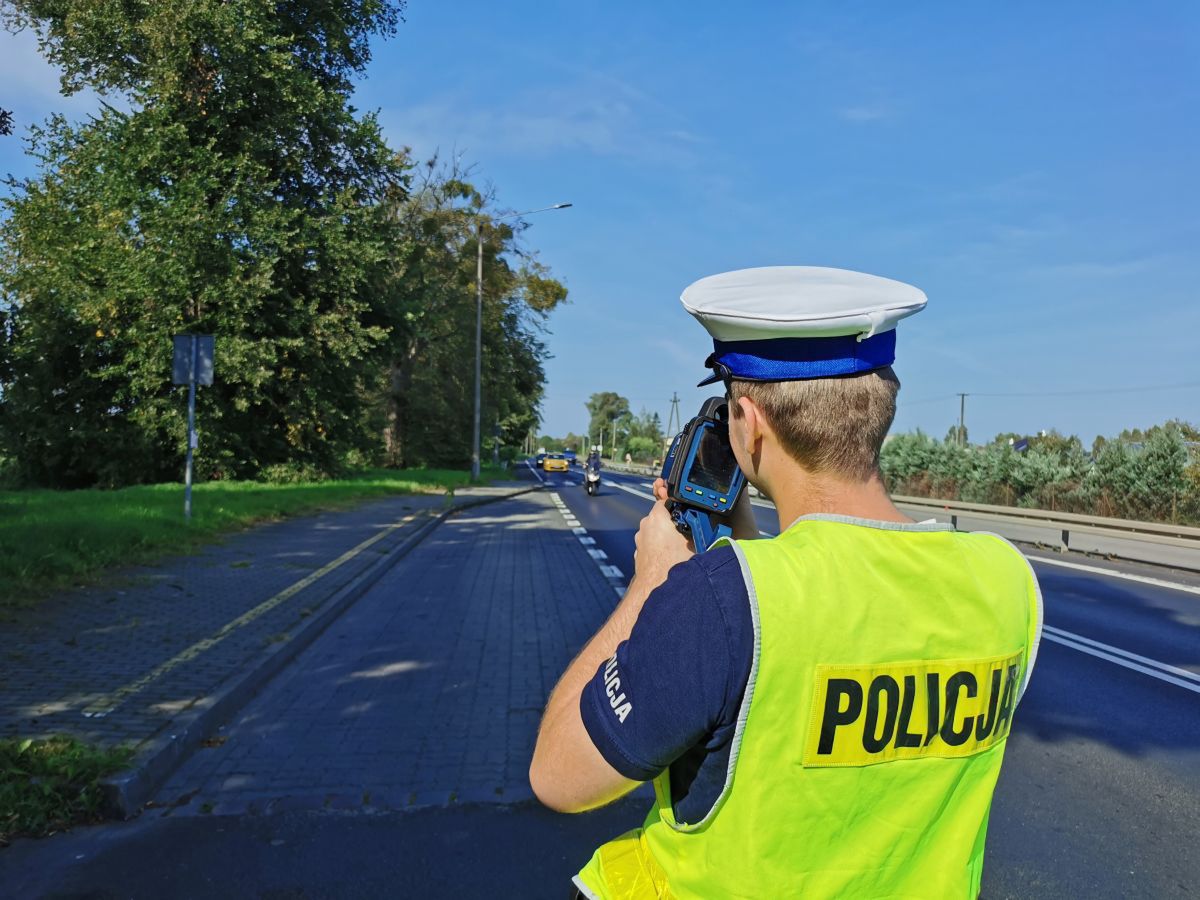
(659, 543)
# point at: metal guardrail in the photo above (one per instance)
(1160, 543)
(1153, 542)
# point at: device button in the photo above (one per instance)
(688, 489)
(723, 500)
(699, 493)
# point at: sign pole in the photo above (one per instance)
(191, 433)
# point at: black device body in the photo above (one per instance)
(703, 477)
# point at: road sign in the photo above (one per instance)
(193, 351)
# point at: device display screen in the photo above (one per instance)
(714, 464)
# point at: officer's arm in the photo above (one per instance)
(568, 773)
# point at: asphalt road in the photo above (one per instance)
(1099, 797)
(1100, 792)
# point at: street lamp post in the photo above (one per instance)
(479, 325)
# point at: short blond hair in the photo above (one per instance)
(828, 425)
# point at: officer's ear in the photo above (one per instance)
(751, 424)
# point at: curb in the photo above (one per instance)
(126, 793)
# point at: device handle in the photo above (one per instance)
(700, 525)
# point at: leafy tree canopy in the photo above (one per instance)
(241, 196)
(603, 408)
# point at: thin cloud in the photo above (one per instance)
(595, 114)
(1106, 269)
(867, 113)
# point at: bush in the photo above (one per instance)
(292, 473)
(1151, 480)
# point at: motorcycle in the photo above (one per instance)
(591, 480)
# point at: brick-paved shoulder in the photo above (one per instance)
(91, 662)
(429, 689)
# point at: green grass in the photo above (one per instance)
(55, 539)
(51, 784)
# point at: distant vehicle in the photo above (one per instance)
(556, 462)
(571, 457)
(540, 458)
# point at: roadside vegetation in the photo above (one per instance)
(1152, 475)
(51, 784)
(55, 539)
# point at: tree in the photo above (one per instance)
(604, 408)
(6, 122)
(241, 196)
(428, 295)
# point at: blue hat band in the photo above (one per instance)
(795, 359)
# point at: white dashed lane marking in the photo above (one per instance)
(613, 575)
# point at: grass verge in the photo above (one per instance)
(55, 539)
(51, 784)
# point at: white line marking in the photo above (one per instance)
(1141, 579)
(597, 554)
(587, 541)
(1191, 682)
(579, 531)
(1133, 657)
(611, 572)
(629, 490)
(535, 472)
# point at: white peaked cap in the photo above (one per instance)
(799, 302)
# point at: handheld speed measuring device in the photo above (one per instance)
(703, 478)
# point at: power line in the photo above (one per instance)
(1070, 393)
(1085, 391)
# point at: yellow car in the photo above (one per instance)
(556, 462)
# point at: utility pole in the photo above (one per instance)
(478, 345)
(674, 423)
(962, 414)
(614, 440)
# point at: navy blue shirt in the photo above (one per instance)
(672, 693)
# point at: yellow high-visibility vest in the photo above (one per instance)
(888, 662)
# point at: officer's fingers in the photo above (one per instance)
(660, 490)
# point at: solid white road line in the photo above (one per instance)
(1127, 576)
(1155, 669)
(535, 472)
(630, 490)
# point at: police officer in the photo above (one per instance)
(823, 714)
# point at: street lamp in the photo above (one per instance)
(479, 323)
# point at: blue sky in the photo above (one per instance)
(1032, 167)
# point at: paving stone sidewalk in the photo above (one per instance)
(428, 690)
(117, 663)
